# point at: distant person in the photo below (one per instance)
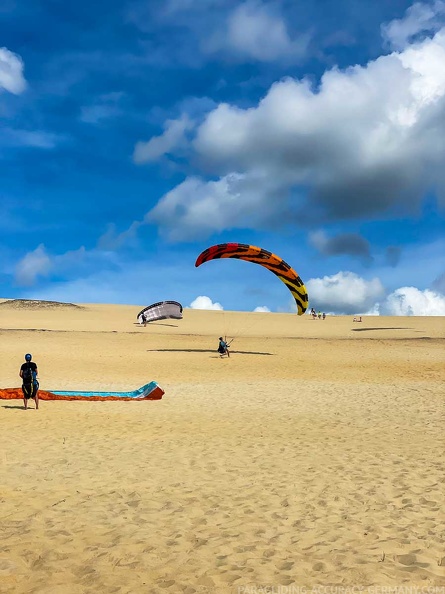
(144, 319)
(223, 347)
(30, 384)
(324, 316)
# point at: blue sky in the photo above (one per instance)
(132, 138)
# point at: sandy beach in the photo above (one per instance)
(312, 457)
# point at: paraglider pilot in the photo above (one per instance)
(30, 387)
(223, 347)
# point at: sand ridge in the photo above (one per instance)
(35, 304)
(311, 457)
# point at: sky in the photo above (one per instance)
(133, 138)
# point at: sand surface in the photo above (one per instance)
(314, 456)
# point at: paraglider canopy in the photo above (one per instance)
(257, 255)
(161, 311)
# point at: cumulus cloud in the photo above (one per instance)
(344, 293)
(255, 30)
(352, 244)
(364, 141)
(410, 301)
(173, 136)
(347, 293)
(262, 309)
(420, 18)
(203, 302)
(32, 265)
(11, 72)
(195, 207)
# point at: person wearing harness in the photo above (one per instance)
(223, 347)
(30, 385)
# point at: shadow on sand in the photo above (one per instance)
(386, 328)
(205, 351)
(18, 407)
(156, 324)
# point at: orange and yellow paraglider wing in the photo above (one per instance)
(257, 255)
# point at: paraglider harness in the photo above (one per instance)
(30, 384)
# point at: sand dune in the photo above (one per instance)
(313, 456)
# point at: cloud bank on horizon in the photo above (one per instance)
(322, 142)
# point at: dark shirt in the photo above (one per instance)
(29, 365)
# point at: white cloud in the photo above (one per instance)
(344, 292)
(196, 207)
(203, 302)
(11, 72)
(173, 137)
(354, 115)
(419, 18)
(347, 293)
(409, 301)
(32, 265)
(262, 309)
(255, 30)
(366, 140)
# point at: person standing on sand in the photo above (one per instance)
(30, 385)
